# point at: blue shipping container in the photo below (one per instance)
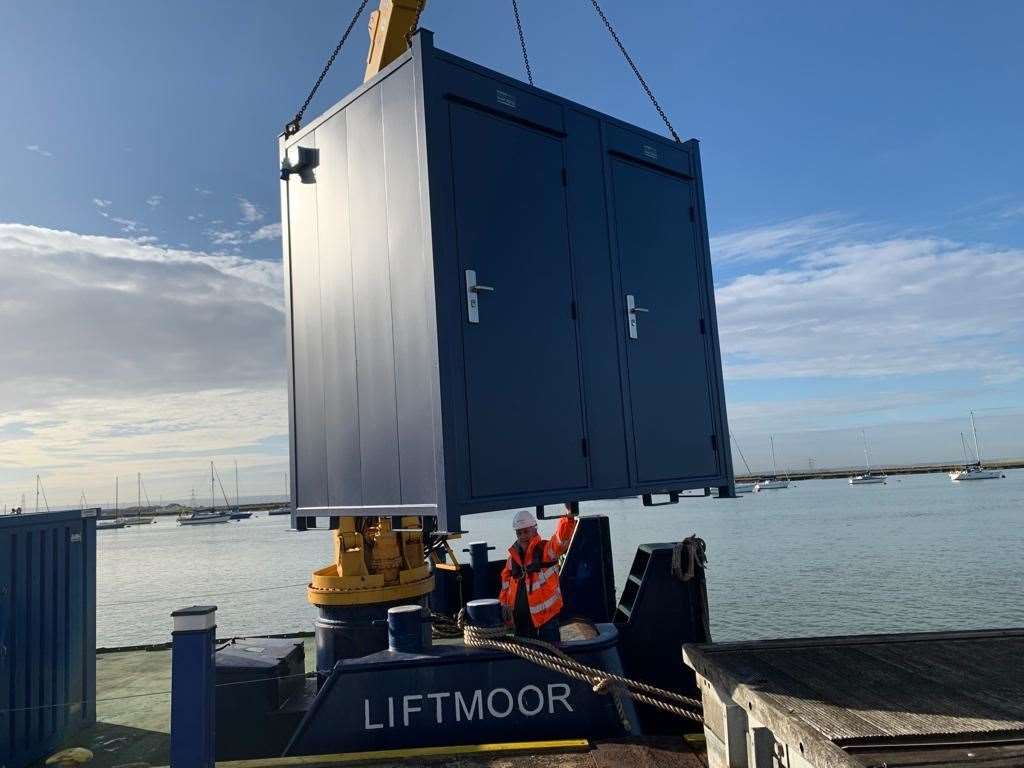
(47, 631)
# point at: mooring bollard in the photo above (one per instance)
(409, 629)
(192, 687)
(484, 613)
(481, 569)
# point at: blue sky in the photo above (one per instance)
(864, 175)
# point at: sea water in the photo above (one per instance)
(819, 558)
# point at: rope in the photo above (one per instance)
(522, 41)
(600, 681)
(296, 122)
(636, 70)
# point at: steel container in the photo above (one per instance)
(47, 631)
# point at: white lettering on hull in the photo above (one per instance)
(498, 703)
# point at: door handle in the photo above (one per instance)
(632, 310)
(472, 289)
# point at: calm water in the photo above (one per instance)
(822, 557)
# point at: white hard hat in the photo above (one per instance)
(523, 519)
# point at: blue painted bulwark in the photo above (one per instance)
(496, 298)
(450, 694)
(193, 677)
(47, 631)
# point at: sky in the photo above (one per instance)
(864, 176)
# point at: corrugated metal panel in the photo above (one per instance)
(47, 631)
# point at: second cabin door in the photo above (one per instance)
(666, 352)
(523, 395)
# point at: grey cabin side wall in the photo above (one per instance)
(362, 333)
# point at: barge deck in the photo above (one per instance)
(133, 714)
(935, 699)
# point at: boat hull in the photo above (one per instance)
(745, 487)
(977, 474)
(867, 480)
(771, 485)
(210, 520)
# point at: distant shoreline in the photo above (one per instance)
(908, 469)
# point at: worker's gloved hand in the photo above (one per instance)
(572, 511)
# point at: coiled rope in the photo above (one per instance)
(602, 682)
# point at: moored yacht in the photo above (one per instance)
(973, 470)
(869, 477)
(773, 483)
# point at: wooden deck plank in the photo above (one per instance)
(850, 689)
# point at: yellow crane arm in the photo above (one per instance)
(391, 25)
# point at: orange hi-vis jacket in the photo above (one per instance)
(539, 572)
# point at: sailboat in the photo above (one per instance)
(115, 522)
(869, 477)
(975, 470)
(742, 487)
(774, 482)
(206, 516)
(237, 513)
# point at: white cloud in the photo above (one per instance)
(128, 225)
(250, 212)
(266, 232)
(154, 200)
(227, 236)
(130, 354)
(876, 308)
(201, 191)
(38, 150)
(100, 202)
(795, 236)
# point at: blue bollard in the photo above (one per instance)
(193, 678)
(484, 613)
(408, 629)
(482, 587)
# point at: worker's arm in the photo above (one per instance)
(558, 544)
(505, 596)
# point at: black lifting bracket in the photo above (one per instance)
(574, 511)
(300, 160)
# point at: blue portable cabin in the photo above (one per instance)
(47, 631)
(496, 298)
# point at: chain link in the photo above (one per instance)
(296, 122)
(636, 71)
(522, 41)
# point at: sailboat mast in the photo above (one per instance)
(735, 442)
(775, 468)
(117, 514)
(867, 456)
(236, 482)
(974, 429)
(213, 499)
(138, 491)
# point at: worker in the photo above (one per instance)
(531, 598)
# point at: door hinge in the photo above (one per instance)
(714, 443)
(702, 326)
(585, 446)
(693, 214)
(565, 178)
(573, 310)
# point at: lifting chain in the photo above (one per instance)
(522, 41)
(296, 122)
(636, 71)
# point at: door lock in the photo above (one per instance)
(632, 310)
(472, 289)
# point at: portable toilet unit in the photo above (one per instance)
(496, 298)
(47, 631)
